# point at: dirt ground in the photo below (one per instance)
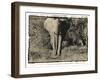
(40, 49)
(69, 54)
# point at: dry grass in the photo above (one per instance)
(40, 48)
(69, 54)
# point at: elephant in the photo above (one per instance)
(56, 27)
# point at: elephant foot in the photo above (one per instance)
(54, 55)
(59, 53)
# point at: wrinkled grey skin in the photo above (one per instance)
(55, 29)
(60, 28)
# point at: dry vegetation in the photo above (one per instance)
(40, 48)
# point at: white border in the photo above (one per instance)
(62, 66)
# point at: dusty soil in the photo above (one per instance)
(69, 54)
(40, 49)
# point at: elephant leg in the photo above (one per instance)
(59, 45)
(54, 45)
(56, 42)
